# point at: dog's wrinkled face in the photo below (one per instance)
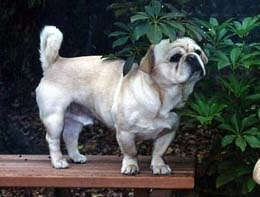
(178, 62)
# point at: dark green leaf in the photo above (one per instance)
(227, 127)
(252, 141)
(118, 33)
(223, 60)
(177, 26)
(140, 30)
(224, 179)
(251, 63)
(194, 31)
(235, 55)
(253, 55)
(249, 121)
(213, 21)
(173, 15)
(232, 174)
(168, 31)
(249, 185)
(252, 131)
(237, 25)
(228, 139)
(138, 17)
(128, 65)
(203, 120)
(254, 97)
(123, 26)
(202, 23)
(149, 10)
(154, 33)
(156, 5)
(235, 123)
(221, 34)
(120, 41)
(241, 143)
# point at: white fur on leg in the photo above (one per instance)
(158, 166)
(127, 145)
(129, 166)
(54, 125)
(160, 146)
(57, 160)
(71, 133)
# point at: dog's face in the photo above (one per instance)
(175, 62)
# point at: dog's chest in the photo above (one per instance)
(151, 128)
(172, 98)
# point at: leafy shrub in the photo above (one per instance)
(149, 24)
(231, 107)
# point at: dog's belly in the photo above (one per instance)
(79, 113)
(86, 116)
(147, 134)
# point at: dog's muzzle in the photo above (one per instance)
(195, 64)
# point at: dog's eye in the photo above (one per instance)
(176, 57)
(198, 51)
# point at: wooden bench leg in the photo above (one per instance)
(141, 192)
(152, 193)
(61, 192)
(161, 193)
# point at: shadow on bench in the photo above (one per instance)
(99, 172)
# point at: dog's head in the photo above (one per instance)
(172, 63)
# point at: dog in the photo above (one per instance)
(256, 172)
(74, 91)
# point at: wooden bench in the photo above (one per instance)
(99, 172)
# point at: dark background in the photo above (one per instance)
(85, 25)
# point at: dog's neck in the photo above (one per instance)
(174, 99)
(171, 99)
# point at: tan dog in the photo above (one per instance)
(73, 91)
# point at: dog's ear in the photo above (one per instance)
(147, 63)
(204, 57)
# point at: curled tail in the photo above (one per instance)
(50, 42)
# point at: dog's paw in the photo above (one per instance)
(60, 164)
(161, 169)
(130, 169)
(79, 158)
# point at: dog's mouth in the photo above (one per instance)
(196, 65)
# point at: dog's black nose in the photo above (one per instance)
(194, 63)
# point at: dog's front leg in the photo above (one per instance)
(126, 141)
(160, 146)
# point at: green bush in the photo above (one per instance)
(228, 104)
(149, 24)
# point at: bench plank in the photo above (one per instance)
(98, 172)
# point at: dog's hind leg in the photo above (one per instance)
(72, 129)
(54, 125)
(52, 106)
